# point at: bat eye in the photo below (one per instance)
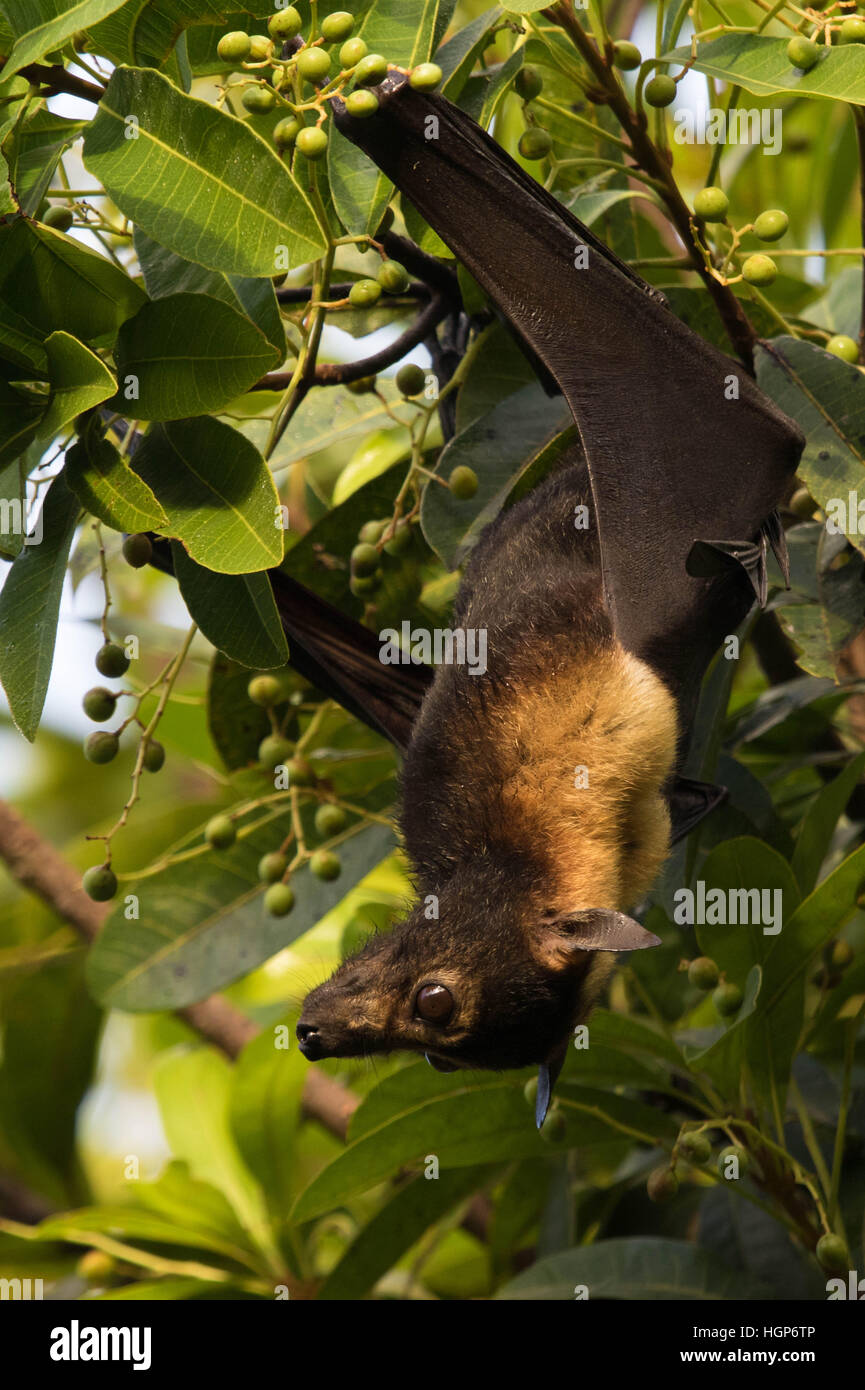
(434, 1003)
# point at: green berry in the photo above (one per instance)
(220, 832)
(399, 541)
(802, 504)
(112, 660)
(258, 100)
(555, 1126)
(265, 690)
(259, 48)
(279, 899)
(661, 91)
(842, 346)
(59, 218)
(535, 143)
(727, 999)
(530, 1091)
(662, 1185)
(154, 756)
(286, 131)
(425, 77)
(361, 104)
(627, 56)
(361, 386)
(833, 1254)
(364, 560)
(325, 865)
(840, 955)
(285, 23)
(370, 70)
(703, 972)
(96, 1267)
(271, 867)
(99, 883)
(329, 820)
(771, 225)
(372, 531)
(351, 52)
(300, 772)
(138, 550)
(410, 379)
(101, 748)
(528, 83)
(732, 1151)
(759, 270)
(392, 276)
(364, 293)
(359, 587)
(711, 204)
(234, 46)
(274, 751)
(463, 482)
(695, 1147)
(99, 704)
(337, 26)
(312, 142)
(802, 53)
(852, 31)
(313, 64)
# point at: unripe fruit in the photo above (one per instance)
(695, 1147)
(259, 48)
(99, 703)
(312, 142)
(329, 820)
(220, 832)
(285, 23)
(555, 1126)
(359, 587)
(300, 772)
(839, 955)
(711, 204)
(425, 77)
(286, 131)
(96, 1267)
(703, 972)
(852, 31)
(361, 104)
(802, 53)
(154, 756)
(771, 225)
(530, 1091)
(364, 293)
(138, 550)
(364, 560)
(759, 270)
(833, 1254)
(101, 748)
(351, 52)
(279, 899)
(463, 482)
(733, 1151)
(112, 660)
(392, 276)
(841, 346)
(99, 883)
(662, 1185)
(370, 70)
(802, 504)
(410, 379)
(661, 91)
(528, 83)
(627, 56)
(337, 26)
(361, 386)
(274, 751)
(371, 531)
(258, 100)
(265, 690)
(727, 999)
(234, 46)
(399, 541)
(325, 865)
(271, 867)
(59, 218)
(313, 64)
(535, 143)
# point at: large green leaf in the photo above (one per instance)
(13, 507)
(265, 1111)
(105, 485)
(40, 26)
(457, 57)
(818, 825)
(79, 381)
(29, 608)
(32, 150)
(217, 492)
(21, 409)
(197, 180)
(236, 612)
(760, 65)
(633, 1267)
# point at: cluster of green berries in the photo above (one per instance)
(726, 996)
(712, 205)
(365, 561)
(803, 53)
(535, 142)
(392, 278)
(694, 1146)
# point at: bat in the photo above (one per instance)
(540, 799)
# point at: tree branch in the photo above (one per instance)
(56, 79)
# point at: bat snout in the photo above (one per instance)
(310, 1041)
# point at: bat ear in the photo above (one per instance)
(595, 929)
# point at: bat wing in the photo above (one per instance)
(683, 449)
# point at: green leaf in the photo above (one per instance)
(32, 150)
(818, 825)
(235, 724)
(188, 354)
(106, 486)
(633, 1267)
(331, 414)
(199, 1210)
(217, 492)
(265, 1111)
(40, 26)
(761, 66)
(30, 606)
(13, 505)
(526, 6)
(236, 612)
(79, 381)
(457, 57)
(20, 412)
(198, 180)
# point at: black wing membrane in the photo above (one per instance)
(681, 445)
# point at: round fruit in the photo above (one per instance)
(359, 587)
(220, 832)
(840, 955)
(711, 204)
(99, 883)
(371, 531)
(370, 70)
(833, 1254)
(555, 1126)
(802, 53)
(312, 142)
(528, 83)
(399, 541)
(662, 1185)
(138, 550)
(325, 865)
(285, 23)
(259, 48)
(535, 143)
(313, 64)
(274, 751)
(271, 867)
(337, 26)
(695, 1147)
(361, 386)
(530, 1091)
(258, 100)
(300, 772)
(703, 972)
(361, 104)
(841, 346)
(112, 660)
(279, 899)
(627, 56)
(661, 91)
(351, 52)
(286, 131)
(802, 504)
(741, 1155)
(852, 31)
(759, 270)
(233, 47)
(99, 704)
(392, 276)
(154, 756)
(727, 999)
(410, 379)
(364, 560)
(96, 1267)
(771, 225)
(364, 293)
(329, 820)
(59, 218)
(265, 690)
(425, 77)
(463, 482)
(101, 748)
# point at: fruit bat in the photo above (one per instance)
(540, 799)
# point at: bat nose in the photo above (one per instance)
(310, 1041)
